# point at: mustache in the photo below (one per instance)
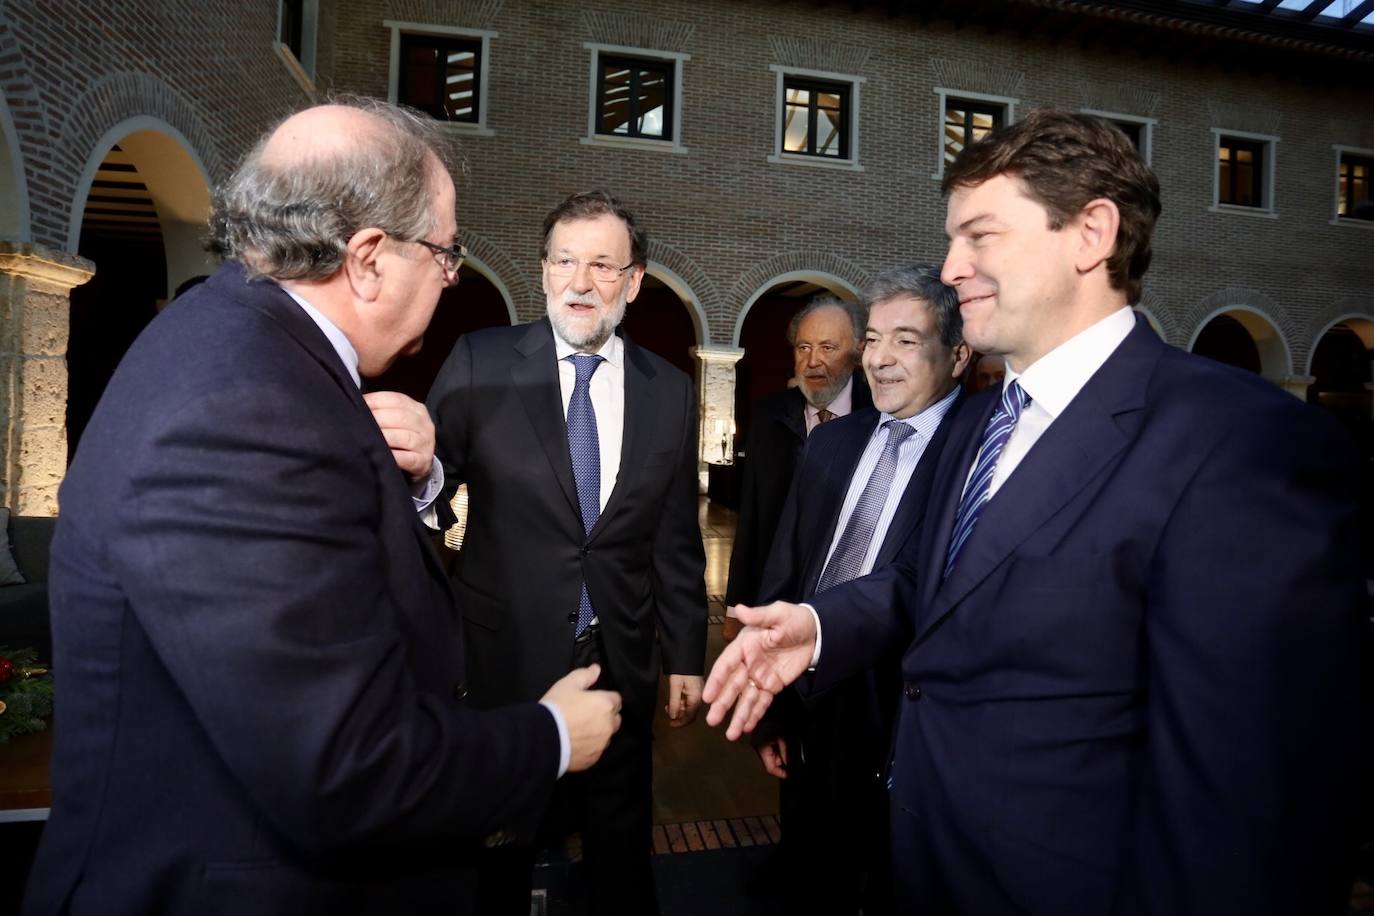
(580, 299)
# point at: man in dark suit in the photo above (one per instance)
(824, 336)
(260, 707)
(578, 449)
(859, 494)
(1132, 619)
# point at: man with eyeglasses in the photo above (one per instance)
(578, 449)
(263, 700)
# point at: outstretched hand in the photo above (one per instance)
(771, 652)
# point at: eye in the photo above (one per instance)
(600, 266)
(565, 263)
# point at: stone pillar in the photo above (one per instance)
(716, 403)
(35, 316)
(1297, 385)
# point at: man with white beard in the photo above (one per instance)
(578, 449)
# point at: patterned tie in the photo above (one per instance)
(979, 489)
(849, 554)
(585, 450)
(822, 415)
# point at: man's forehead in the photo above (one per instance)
(901, 310)
(826, 322)
(604, 229)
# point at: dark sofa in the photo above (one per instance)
(24, 608)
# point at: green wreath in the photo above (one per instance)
(25, 693)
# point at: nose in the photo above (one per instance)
(956, 268)
(582, 278)
(877, 354)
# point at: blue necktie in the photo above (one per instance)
(979, 489)
(852, 547)
(585, 450)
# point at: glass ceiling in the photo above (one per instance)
(1325, 11)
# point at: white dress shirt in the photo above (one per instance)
(1053, 381)
(607, 390)
(909, 455)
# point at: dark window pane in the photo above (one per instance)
(815, 118)
(1355, 200)
(1133, 131)
(968, 122)
(292, 25)
(1240, 172)
(441, 76)
(635, 98)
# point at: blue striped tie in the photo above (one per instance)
(584, 447)
(979, 489)
(852, 547)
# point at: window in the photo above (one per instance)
(1139, 130)
(1244, 173)
(966, 118)
(297, 22)
(1355, 171)
(442, 71)
(634, 97)
(441, 76)
(817, 118)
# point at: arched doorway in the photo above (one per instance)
(659, 321)
(478, 301)
(1341, 371)
(767, 363)
(140, 216)
(1245, 339)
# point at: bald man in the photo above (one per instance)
(262, 686)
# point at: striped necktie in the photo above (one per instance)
(979, 489)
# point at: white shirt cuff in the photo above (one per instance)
(816, 618)
(564, 742)
(426, 491)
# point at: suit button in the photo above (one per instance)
(586, 550)
(460, 691)
(572, 617)
(913, 691)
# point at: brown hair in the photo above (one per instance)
(589, 205)
(1066, 160)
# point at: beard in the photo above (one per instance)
(586, 332)
(823, 396)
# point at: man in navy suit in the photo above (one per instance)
(1133, 616)
(261, 699)
(858, 495)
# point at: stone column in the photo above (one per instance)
(1297, 385)
(35, 316)
(716, 402)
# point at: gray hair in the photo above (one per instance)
(921, 281)
(292, 220)
(855, 313)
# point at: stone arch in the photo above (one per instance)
(1276, 360)
(691, 284)
(838, 285)
(1357, 313)
(177, 180)
(523, 298)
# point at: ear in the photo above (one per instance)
(1095, 235)
(962, 354)
(362, 263)
(632, 288)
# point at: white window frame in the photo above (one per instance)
(676, 58)
(942, 95)
(1147, 128)
(393, 86)
(1337, 220)
(778, 156)
(1268, 210)
(302, 70)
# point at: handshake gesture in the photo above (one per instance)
(772, 651)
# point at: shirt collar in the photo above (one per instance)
(841, 406)
(927, 421)
(1055, 379)
(612, 351)
(337, 339)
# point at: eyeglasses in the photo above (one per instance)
(450, 259)
(566, 267)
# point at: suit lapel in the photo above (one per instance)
(1090, 433)
(794, 417)
(535, 378)
(634, 444)
(839, 472)
(912, 507)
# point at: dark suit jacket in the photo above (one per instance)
(854, 716)
(1135, 693)
(499, 415)
(772, 447)
(259, 691)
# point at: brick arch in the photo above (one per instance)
(29, 142)
(1352, 308)
(793, 265)
(1161, 318)
(522, 296)
(700, 295)
(113, 100)
(1258, 313)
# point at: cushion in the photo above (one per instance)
(9, 571)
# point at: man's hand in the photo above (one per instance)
(772, 750)
(408, 430)
(684, 696)
(773, 650)
(592, 716)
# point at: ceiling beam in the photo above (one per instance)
(1268, 5)
(1352, 18)
(1311, 10)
